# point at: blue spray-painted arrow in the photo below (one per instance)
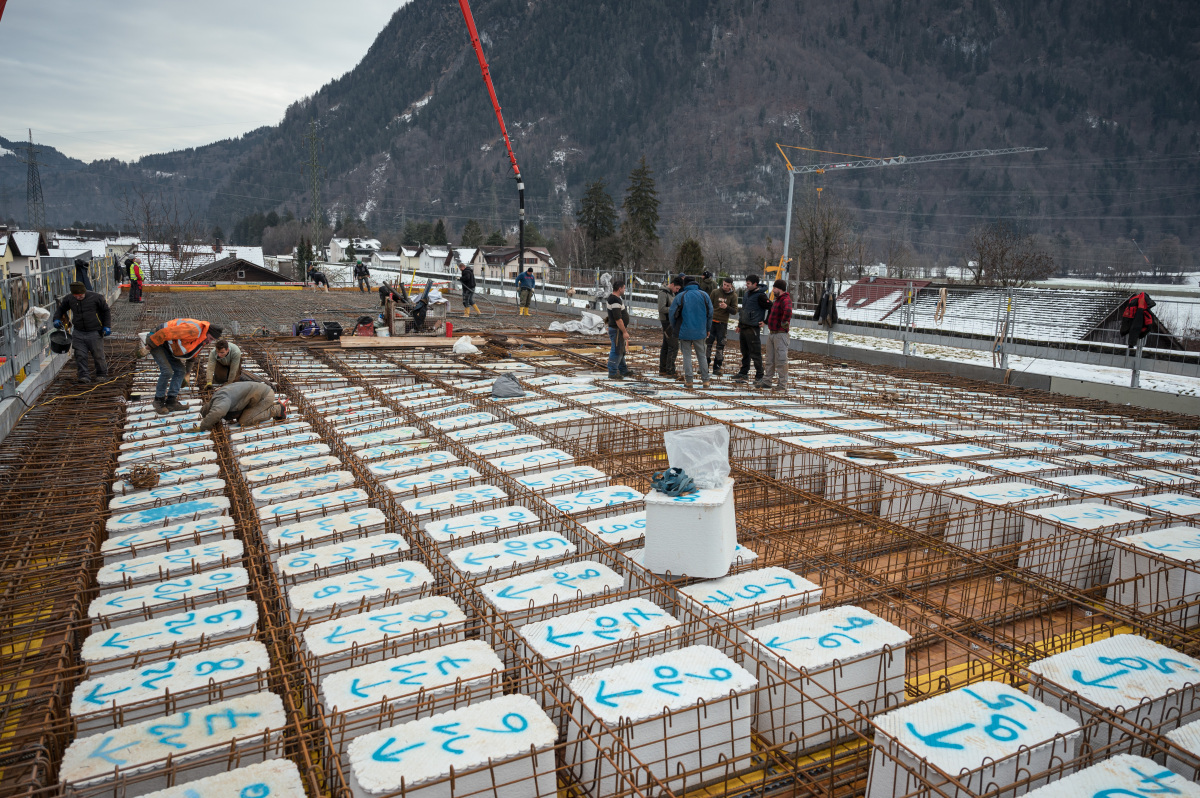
(553, 639)
(95, 695)
(356, 690)
(383, 755)
(472, 559)
(105, 753)
(112, 641)
(602, 698)
(508, 593)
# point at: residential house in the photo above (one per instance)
(363, 248)
(25, 248)
(502, 262)
(232, 269)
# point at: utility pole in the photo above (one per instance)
(35, 205)
(314, 184)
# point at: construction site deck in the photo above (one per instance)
(942, 587)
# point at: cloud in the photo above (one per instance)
(122, 80)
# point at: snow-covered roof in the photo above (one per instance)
(466, 254)
(70, 251)
(408, 252)
(388, 258)
(436, 252)
(359, 243)
(26, 242)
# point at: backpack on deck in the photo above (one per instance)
(364, 326)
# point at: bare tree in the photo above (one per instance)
(1008, 258)
(173, 236)
(724, 253)
(822, 232)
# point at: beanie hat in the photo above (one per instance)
(214, 331)
(780, 284)
(78, 288)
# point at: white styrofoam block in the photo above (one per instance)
(1075, 560)
(1166, 458)
(902, 437)
(440, 502)
(369, 413)
(397, 581)
(277, 778)
(1122, 775)
(383, 436)
(1095, 484)
(563, 582)
(264, 459)
(559, 417)
(197, 587)
(399, 682)
(741, 556)
(176, 477)
(595, 499)
(250, 447)
(165, 565)
(738, 415)
(988, 735)
(393, 449)
(364, 521)
(936, 475)
(292, 469)
(1184, 505)
(1103, 444)
(533, 462)
(279, 492)
(1018, 465)
(510, 734)
(1145, 583)
(979, 514)
(696, 404)
(263, 433)
(1146, 682)
(619, 528)
(486, 430)
(534, 406)
(514, 443)
(396, 624)
(123, 546)
(167, 515)
(488, 521)
(810, 412)
(625, 409)
(413, 462)
(147, 442)
(127, 749)
(844, 651)
(314, 561)
(385, 420)
(560, 479)
(693, 534)
(462, 420)
(1163, 476)
(216, 622)
(501, 554)
(178, 461)
(1186, 737)
(457, 409)
(1093, 460)
(175, 676)
(753, 597)
(426, 481)
(707, 690)
(784, 427)
(596, 628)
(828, 441)
(321, 504)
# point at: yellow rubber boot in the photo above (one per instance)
(466, 311)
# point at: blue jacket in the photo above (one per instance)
(526, 281)
(692, 313)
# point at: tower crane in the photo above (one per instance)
(863, 162)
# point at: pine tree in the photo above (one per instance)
(639, 232)
(690, 258)
(438, 237)
(496, 239)
(472, 234)
(597, 213)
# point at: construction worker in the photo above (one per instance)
(725, 304)
(755, 304)
(669, 350)
(692, 315)
(525, 285)
(135, 278)
(247, 403)
(225, 365)
(90, 324)
(173, 343)
(707, 283)
(466, 276)
(618, 331)
(779, 326)
(318, 278)
(362, 277)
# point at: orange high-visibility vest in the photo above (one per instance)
(183, 337)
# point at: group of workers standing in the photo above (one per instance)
(525, 284)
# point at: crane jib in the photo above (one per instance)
(487, 78)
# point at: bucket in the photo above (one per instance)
(59, 343)
(449, 329)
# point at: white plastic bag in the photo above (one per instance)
(463, 346)
(703, 452)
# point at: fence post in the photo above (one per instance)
(1135, 378)
(908, 319)
(1007, 330)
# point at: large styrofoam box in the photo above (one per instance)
(569, 639)
(502, 748)
(806, 468)
(388, 450)
(319, 562)
(277, 778)
(751, 598)
(264, 433)
(123, 607)
(400, 684)
(475, 433)
(629, 528)
(741, 556)
(1163, 477)
(692, 534)
(1096, 484)
(280, 492)
(859, 480)
(987, 736)
(684, 710)
(148, 540)
(167, 515)
(1122, 775)
(250, 447)
(100, 757)
(980, 517)
(461, 421)
(503, 556)
(1142, 581)
(836, 662)
(296, 468)
(161, 441)
(1146, 682)
(168, 564)
(1187, 763)
(356, 523)
(1080, 561)
(291, 454)
(909, 501)
(381, 437)
(391, 584)
(128, 696)
(1176, 505)
(388, 632)
(486, 524)
(177, 476)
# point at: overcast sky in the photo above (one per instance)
(125, 78)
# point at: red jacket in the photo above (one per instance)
(779, 317)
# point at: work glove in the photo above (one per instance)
(58, 324)
(208, 385)
(107, 331)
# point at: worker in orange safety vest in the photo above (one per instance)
(174, 342)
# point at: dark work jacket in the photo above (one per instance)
(754, 308)
(1136, 319)
(89, 314)
(467, 278)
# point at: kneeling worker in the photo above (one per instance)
(173, 343)
(225, 365)
(247, 403)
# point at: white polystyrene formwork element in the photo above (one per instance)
(845, 652)
(753, 597)
(168, 564)
(561, 479)
(175, 477)
(519, 550)
(741, 556)
(1122, 775)
(784, 427)
(619, 528)
(304, 486)
(513, 443)
(559, 417)
(595, 499)
(288, 455)
(167, 515)
(392, 449)
(395, 623)
(1186, 737)
(440, 502)
(597, 627)
(1163, 476)
(599, 398)
(178, 461)
(364, 520)
(383, 436)
(902, 437)
(122, 546)
(425, 481)
(936, 475)
(563, 582)
(1096, 484)
(957, 451)
(533, 462)
(1146, 682)
(1103, 444)
(166, 494)
(484, 523)
(1075, 560)
(696, 404)
(214, 623)
(347, 430)
(511, 735)
(707, 690)
(203, 586)
(275, 778)
(623, 409)
(293, 469)
(987, 735)
(406, 579)
(457, 408)
(156, 441)
(415, 462)
(980, 516)
(1143, 582)
(829, 441)
(1018, 465)
(263, 433)
(321, 504)
(174, 676)
(129, 748)
(534, 406)
(250, 447)
(1183, 505)
(855, 424)
(368, 412)
(461, 421)
(693, 534)
(810, 412)
(314, 561)
(486, 430)
(401, 681)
